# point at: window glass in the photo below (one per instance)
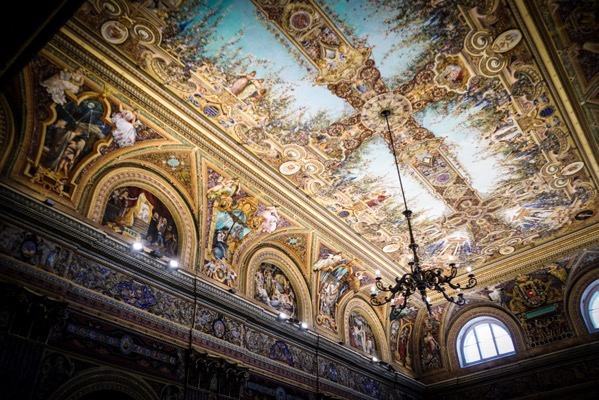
(487, 347)
(483, 339)
(594, 310)
(470, 348)
(590, 306)
(504, 344)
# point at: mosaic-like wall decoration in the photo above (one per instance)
(537, 300)
(102, 280)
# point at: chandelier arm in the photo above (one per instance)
(471, 282)
(453, 272)
(376, 301)
(447, 297)
(404, 303)
(397, 310)
(432, 277)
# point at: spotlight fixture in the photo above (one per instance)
(137, 246)
(283, 316)
(418, 279)
(294, 321)
(173, 263)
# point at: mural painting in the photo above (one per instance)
(273, 289)
(69, 138)
(488, 162)
(401, 342)
(77, 127)
(361, 336)
(231, 217)
(55, 371)
(336, 277)
(430, 352)
(138, 214)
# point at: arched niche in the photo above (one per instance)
(358, 306)
(90, 382)
(120, 177)
(449, 341)
(277, 257)
(584, 273)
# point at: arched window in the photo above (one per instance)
(589, 305)
(483, 339)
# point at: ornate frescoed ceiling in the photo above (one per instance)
(261, 121)
(488, 159)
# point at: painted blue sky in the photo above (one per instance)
(483, 171)
(367, 21)
(259, 43)
(262, 44)
(377, 158)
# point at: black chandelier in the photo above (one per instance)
(418, 280)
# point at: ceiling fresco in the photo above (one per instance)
(488, 162)
(489, 165)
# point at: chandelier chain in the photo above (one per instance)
(418, 279)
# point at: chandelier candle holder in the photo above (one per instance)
(418, 280)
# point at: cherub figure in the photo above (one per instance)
(57, 84)
(271, 218)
